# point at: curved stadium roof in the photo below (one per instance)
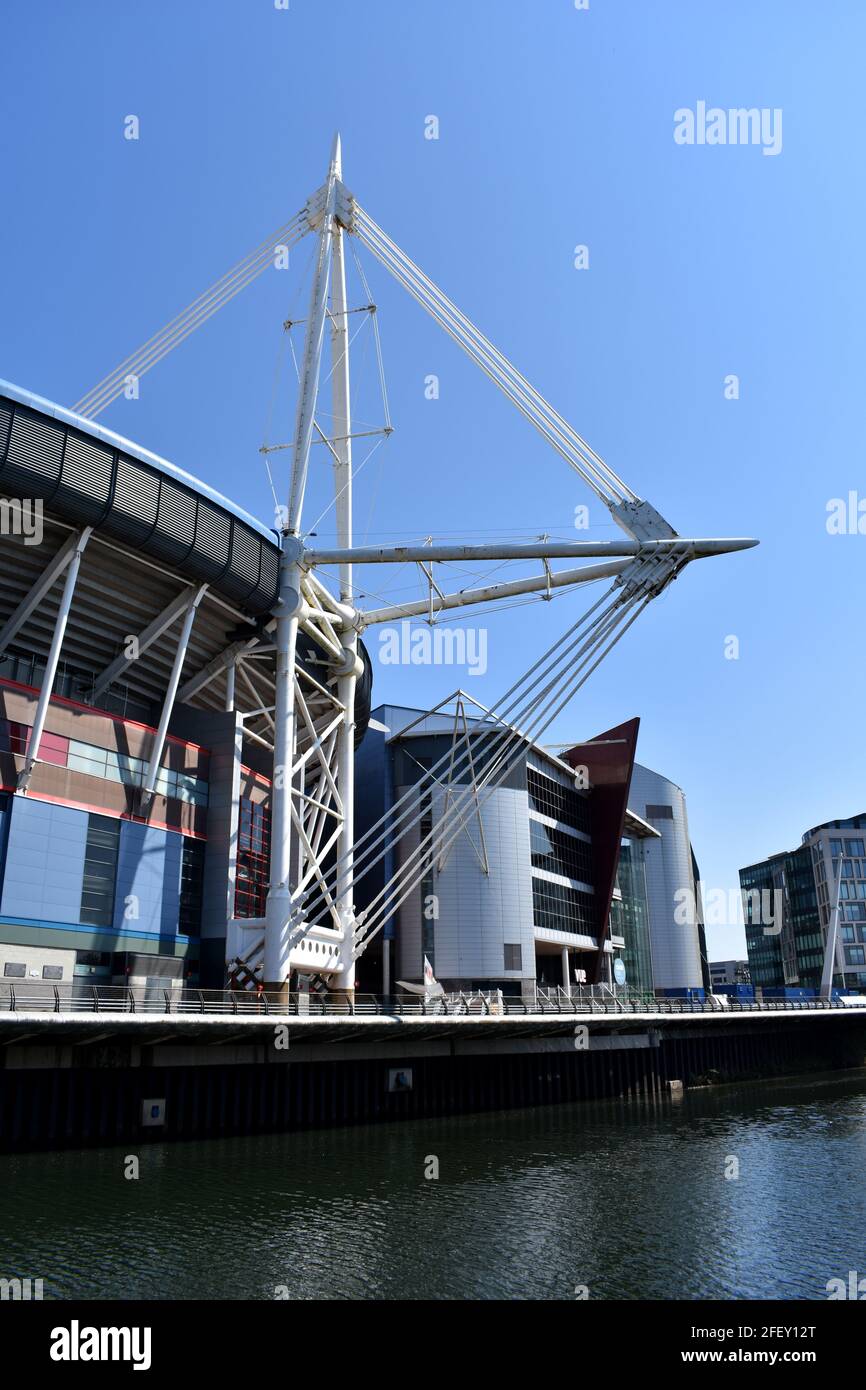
(92, 477)
(156, 531)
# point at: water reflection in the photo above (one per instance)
(629, 1199)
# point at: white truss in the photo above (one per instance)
(306, 716)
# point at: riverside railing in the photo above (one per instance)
(65, 998)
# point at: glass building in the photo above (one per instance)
(629, 915)
(789, 903)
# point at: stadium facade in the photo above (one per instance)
(136, 756)
(134, 812)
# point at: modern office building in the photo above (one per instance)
(673, 883)
(729, 972)
(629, 910)
(134, 801)
(542, 879)
(789, 901)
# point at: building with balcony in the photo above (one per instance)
(789, 904)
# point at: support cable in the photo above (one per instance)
(439, 844)
(500, 764)
(506, 713)
(190, 318)
(392, 827)
(578, 453)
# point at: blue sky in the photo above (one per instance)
(555, 129)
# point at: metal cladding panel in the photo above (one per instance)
(213, 539)
(44, 862)
(609, 758)
(479, 914)
(34, 456)
(135, 504)
(174, 535)
(85, 488)
(676, 950)
(87, 481)
(148, 879)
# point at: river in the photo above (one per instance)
(735, 1192)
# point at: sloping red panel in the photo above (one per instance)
(609, 759)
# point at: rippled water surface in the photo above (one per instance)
(630, 1200)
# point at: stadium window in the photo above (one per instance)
(100, 871)
(253, 859)
(191, 887)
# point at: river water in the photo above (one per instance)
(609, 1201)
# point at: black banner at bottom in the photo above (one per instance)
(59, 1339)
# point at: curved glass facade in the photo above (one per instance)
(629, 918)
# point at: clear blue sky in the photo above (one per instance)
(556, 128)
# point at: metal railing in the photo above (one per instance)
(71, 997)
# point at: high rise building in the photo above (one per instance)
(790, 900)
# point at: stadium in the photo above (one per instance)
(135, 805)
(184, 689)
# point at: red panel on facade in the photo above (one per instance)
(609, 759)
(53, 749)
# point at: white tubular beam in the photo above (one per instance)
(43, 585)
(261, 707)
(543, 550)
(73, 566)
(170, 695)
(347, 682)
(257, 738)
(831, 946)
(216, 667)
(278, 908)
(309, 375)
(230, 687)
(146, 639)
(422, 607)
(318, 593)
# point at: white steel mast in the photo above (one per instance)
(310, 921)
(278, 909)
